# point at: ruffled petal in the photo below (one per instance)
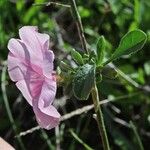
(25, 55)
(22, 86)
(35, 86)
(28, 81)
(30, 64)
(19, 70)
(48, 91)
(47, 117)
(18, 49)
(15, 68)
(30, 88)
(37, 42)
(48, 59)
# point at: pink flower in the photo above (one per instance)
(30, 65)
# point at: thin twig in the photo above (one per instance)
(77, 112)
(28, 131)
(51, 3)
(80, 111)
(79, 25)
(7, 106)
(122, 122)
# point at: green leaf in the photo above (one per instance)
(92, 56)
(58, 70)
(100, 50)
(130, 43)
(77, 56)
(64, 66)
(83, 81)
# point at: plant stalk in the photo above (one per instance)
(95, 95)
(7, 106)
(79, 25)
(99, 118)
(137, 136)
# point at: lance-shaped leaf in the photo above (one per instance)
(130, 43)
(83, 81)
(77, 57)
(100, 50)
(64, 66)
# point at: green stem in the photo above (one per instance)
(137, 135)
(3, 82)
(99, 117)
(48, 141)
(87, 147)
(95, 95)
(79, 25)
(107, 62)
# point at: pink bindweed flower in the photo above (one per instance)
(30, 65)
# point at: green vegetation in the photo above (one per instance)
(113, 29)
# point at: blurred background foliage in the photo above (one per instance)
(111, 18)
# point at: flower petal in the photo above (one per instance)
(18, 49)
(25, 55)
(31, 88)
(15, 68)
(37, 42)
(30, 64)
(48, 59)
(48, 91)
(35, 86)
(22, 86)
(19, 70)
(47, 117)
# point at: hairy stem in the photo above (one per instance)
(99, 117)
(79, 25)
